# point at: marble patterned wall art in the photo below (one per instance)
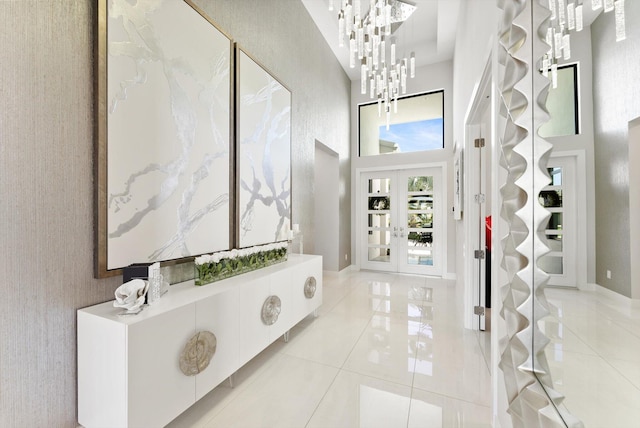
(263, 154)
(164, 102)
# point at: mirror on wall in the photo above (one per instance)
(594, 324)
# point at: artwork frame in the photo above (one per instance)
(183, 204)
(263, 154)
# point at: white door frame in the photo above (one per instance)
(472, 126)
(445, 203)
(579, 159)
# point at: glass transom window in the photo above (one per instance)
(417, 126)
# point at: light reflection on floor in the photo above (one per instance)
(387, 350)
(594, 356)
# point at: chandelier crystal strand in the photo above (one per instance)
(621, 32)
(352, 51)
(579, 18)
(566, 46)
(341, 29)
(368, 33)
(557, 44)
(608, 5)
(412, 65)
(554, 75)
(571, 16)
(561, 12)
(568, 16)
(393, 52)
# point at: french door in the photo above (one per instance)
(559, 197)
(401, 213)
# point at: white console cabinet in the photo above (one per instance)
(128, 366)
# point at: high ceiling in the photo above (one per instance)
(429, 32)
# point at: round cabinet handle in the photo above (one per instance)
(271, 309)
(197, 353)
(310, 287)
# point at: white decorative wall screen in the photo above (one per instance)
(523, 91)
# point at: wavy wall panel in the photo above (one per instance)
(523, 92)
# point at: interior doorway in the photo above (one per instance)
(478, 217)
(326, 206)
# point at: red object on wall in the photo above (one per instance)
(487, 242)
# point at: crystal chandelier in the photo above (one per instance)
(371, 44)
(567, 16)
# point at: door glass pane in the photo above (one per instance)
(554, 242)
(551, 198)
(420, 221)
(379, 237)
(420, 202)
(379, 185)
(420, 239)
(379, 203)
(379, 220)
(420, 256)
(551, 265)
(556, 175)
(555, 222)
(379, 255)
(420, 184)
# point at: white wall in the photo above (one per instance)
(581, 54)
(475, 38)
(616, 102)
(428, 78)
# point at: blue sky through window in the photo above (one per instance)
(415, 136)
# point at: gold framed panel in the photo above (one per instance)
(263, 154)
(163, 160)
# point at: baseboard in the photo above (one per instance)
(588, 287)
(617, 297)
(339, 274)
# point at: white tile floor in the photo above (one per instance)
(386, 351)
(594, 356)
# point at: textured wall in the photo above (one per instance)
(46, 211)
(46, 189)
(616, 101)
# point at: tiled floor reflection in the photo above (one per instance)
(594, 356)
(386, 351)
